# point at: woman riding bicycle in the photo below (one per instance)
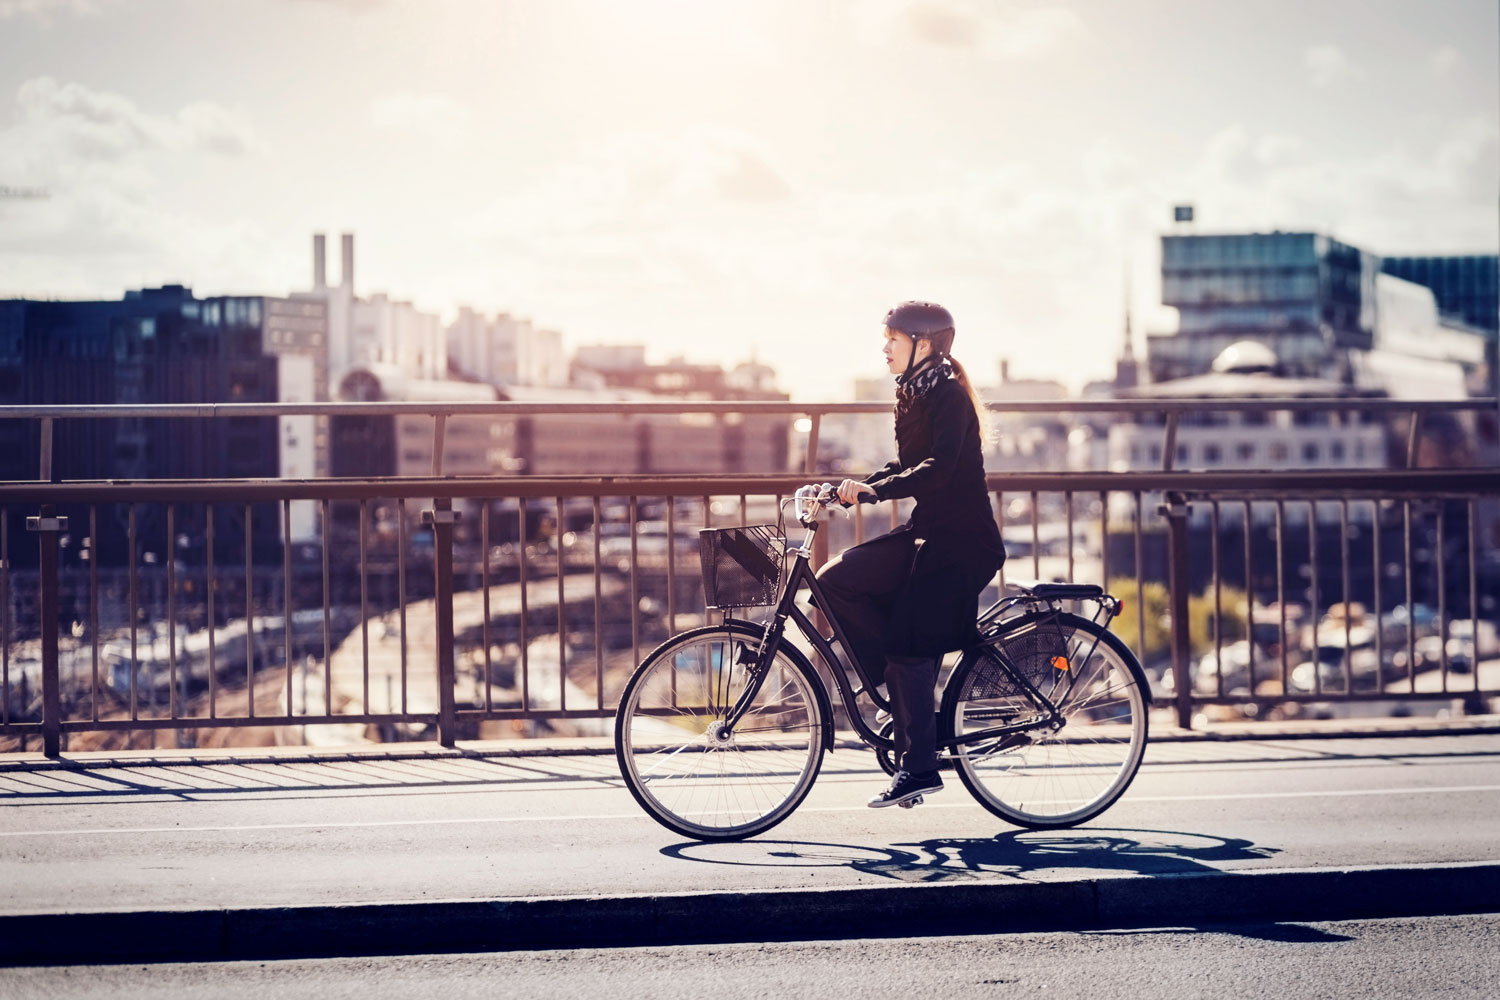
(909, 596)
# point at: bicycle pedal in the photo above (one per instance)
(910, 802)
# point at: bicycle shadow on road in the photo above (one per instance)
(1018, 854)
(1137, 852)
(1022, 855)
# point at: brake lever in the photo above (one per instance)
(830, 498)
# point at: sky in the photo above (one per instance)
(722, 179)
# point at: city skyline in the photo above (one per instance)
(720, 180)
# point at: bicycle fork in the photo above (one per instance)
(758, 666)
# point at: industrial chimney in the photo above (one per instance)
(348, 257)
(320, 263)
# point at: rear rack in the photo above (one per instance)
(1035, 592)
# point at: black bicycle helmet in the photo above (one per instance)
(920, 320)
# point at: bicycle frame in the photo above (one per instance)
(800, 575)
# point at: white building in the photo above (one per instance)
(1017, 441)
(378, 330)
(1219, 439)
(1416, 353)
(610, 357)
(387, 331)
(504, 350)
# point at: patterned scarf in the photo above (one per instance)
(920, 383)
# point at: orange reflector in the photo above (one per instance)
(1060, 662)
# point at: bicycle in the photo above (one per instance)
(721, 730)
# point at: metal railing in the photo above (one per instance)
(441, 605)
(1169, 412)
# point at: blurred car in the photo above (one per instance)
(1337, 669)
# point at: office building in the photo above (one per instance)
(1323, 308)
(164, 345)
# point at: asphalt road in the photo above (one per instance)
(230, 835)
(1449, 957)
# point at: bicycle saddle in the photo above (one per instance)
(1058, 591)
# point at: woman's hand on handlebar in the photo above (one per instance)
(852, 491)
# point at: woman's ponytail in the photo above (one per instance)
(979, 408)
(942, 343)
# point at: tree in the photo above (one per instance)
(1157, 642)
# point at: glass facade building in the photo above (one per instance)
(1303, 294)
(160, 345)
(1326, 310)
(1466, 286)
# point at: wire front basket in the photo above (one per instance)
(741, 566)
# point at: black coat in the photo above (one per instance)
(940, 464)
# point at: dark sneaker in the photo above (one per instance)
(906, 788)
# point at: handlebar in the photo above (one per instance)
(813, 499)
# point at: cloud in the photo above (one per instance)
(1328, 65)
(944, 23)
(678, 218)
(356, 6)
(1446, 60)
(93, 124)
(88, 124)
(432, 115)
(1006, 31)
(43, 10)
(1234, 156)
(706, 221)
(642, 182)
(213, 129)
(1398, 200)
(118, 177)
(1031, 32)
(747, 177)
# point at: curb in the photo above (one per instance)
(968, 907)
(590, 746)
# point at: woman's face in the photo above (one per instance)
(898, 347)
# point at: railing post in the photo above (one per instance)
(48, 526)
(441, 517)
(1414, 439)
(439, 429)
(1169, 443)
(810, 460)
(45, 472)
(810, 466)
(1176, 511)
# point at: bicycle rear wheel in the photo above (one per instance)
(1044, 778)
(680, 763)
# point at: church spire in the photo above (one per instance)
(1127, 371)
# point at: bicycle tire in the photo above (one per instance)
(1046, 779)
(669, 747)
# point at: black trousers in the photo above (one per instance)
(860, 587)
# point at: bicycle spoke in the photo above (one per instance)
(1045, 777)
(717, 783)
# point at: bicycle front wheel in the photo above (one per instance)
(686, 767)
(1048, 778)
